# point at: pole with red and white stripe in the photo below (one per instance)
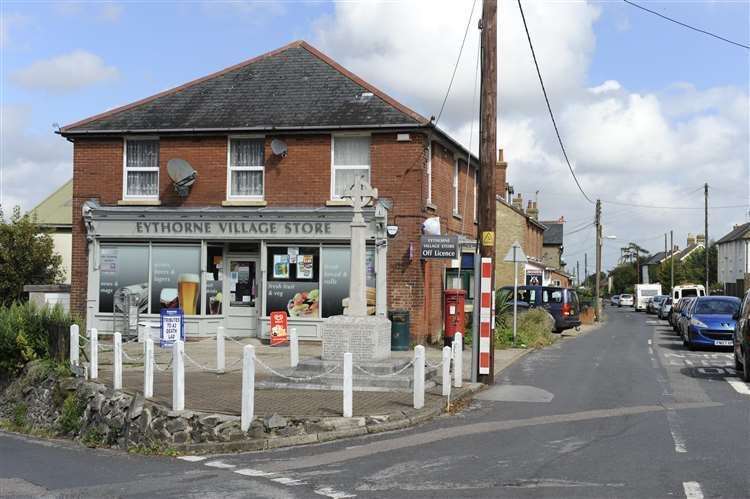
(486, 314)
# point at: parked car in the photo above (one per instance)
(561, 303)
(684, 317)
(742, 339)
(675, 314)
(654, 304)
(666, 308)
(643, 292)
(625, 301)
(711, 321)
(614, 300)
(687, 290)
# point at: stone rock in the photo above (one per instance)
(232, 435)
(257, 429)
(371, 420)
(227, 426)
(317, 426)
(181, 437)
(106, 409)
(136, 407)
(212, 420)
(69, 384)
(291, 431)
(180, 414)
(96, 402)
(124, 402)
(175, 425)
(275, 421)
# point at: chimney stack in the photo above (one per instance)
(700, 239)
(501, 174)
(517, 202)
(532, 211)
(690, 239)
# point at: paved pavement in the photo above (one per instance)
(623, 411)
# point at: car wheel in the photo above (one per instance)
(746, 366)
(688, 343)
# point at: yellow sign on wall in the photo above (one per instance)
(488, 238)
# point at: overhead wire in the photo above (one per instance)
(685, 25)
(549, 106)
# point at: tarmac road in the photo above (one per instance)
(623, 411)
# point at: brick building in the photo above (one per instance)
(274, 141)
(515, 224)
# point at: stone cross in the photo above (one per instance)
(359, 195)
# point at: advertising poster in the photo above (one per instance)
(305, 267)
(298, 299)
(175, 278)
(533, 277)
(281, 266)
(123, 267)
(278, 326)
(172, 327)
(335, 282)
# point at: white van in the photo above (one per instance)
(643, 292)
(687, 290)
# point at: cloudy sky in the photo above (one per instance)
(648, 110)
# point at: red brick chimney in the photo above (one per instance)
(501, 174)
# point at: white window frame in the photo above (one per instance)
(429, 171)
(126, 169)
(230, 169)
(455, 186)
(348, 167)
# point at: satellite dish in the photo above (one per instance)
(278, 147)
(182, 174)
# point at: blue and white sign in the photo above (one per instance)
(172, 326)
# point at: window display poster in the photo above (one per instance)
(281, 266)
(175, 278)
(172, 327)
(121, 267)
(335, 283)
(300, 300)
(305, 267)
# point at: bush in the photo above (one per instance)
(534, 331)
(72, 412)
(29, 332)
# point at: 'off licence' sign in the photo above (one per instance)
(439, 247)
(172, 326)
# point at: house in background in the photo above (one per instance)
(734, 260)
(650, 265)
(552, 252)
(513, 224)
(55, 215)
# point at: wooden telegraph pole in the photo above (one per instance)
(487, 165)
(705, 233)
(597, 299)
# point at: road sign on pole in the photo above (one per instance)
(515, 255)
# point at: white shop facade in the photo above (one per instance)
(227, 267)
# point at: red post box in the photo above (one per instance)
(453, 309)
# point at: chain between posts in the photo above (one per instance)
(131, 359)
(169, 366)
(292, 378)
(389, 375)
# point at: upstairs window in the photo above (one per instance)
(141, 168)
(246, 164)
(429, 171)
(455, 187)
(351, 160)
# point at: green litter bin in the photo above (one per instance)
(399, 330)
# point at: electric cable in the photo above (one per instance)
(549, 107)
(629, 2)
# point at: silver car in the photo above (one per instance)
(665, 309)
(626, 301)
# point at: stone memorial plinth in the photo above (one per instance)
(368, 338)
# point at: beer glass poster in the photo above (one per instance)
(175, 278)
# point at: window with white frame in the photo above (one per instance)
(351, 160)
(455, 187)
(245, 168)
(141, 168)
(429, 171)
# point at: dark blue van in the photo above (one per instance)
(561, 303)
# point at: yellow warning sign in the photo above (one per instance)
(488, 238)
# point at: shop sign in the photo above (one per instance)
(278, 326)
(533, 277)
(439, 247)
(172, 326)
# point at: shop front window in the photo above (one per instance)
(175, 278)
(214, 280)
(293, 284)
(123, 270)
(335, 280)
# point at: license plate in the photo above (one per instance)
(723, 343)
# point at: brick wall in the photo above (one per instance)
(512, 226)
(302, 178)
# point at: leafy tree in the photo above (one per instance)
(692, 270)
(26, 256)
(623, 278)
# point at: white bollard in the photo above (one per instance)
(418, 377)
(94, 353)
(458, 360)
(348, 382)
(178, 376)
(248, 387)
(74, 345)
(220, 351)
(446, 371)
(293, 347)
(117, 362)
(148, 368)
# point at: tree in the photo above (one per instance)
(692, 270)
(26, 256)
(623, 278)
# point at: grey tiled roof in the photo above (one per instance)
(554, 233)
(294, 87)
(736, 233)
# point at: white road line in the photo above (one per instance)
(251, 472)
(333, 494)
(692, 490)
(192, 459)
(650, 351)
(219, 464)
(740, 386)
(287, 481)
(673, 422)
(649, 342)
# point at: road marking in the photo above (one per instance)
(441, 434)
(740, 386)
(219, 464)
(692, 490)
(192, 459)
(650, 351)
(333, 494)
(649, 341)
(251, 472)
(288, 481)
(675, 428)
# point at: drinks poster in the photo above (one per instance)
(172, 327)
(278, 326)
(175, 278)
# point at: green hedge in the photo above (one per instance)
(29, 332)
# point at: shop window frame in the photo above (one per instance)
(126, 168)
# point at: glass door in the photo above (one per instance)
(242, 293)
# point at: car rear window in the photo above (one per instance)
(626, 296)
(716, 307)
(690, 292)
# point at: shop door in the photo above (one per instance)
(242, 312)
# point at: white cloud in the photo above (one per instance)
(111, 12)
(33, 165)
(65, 73)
